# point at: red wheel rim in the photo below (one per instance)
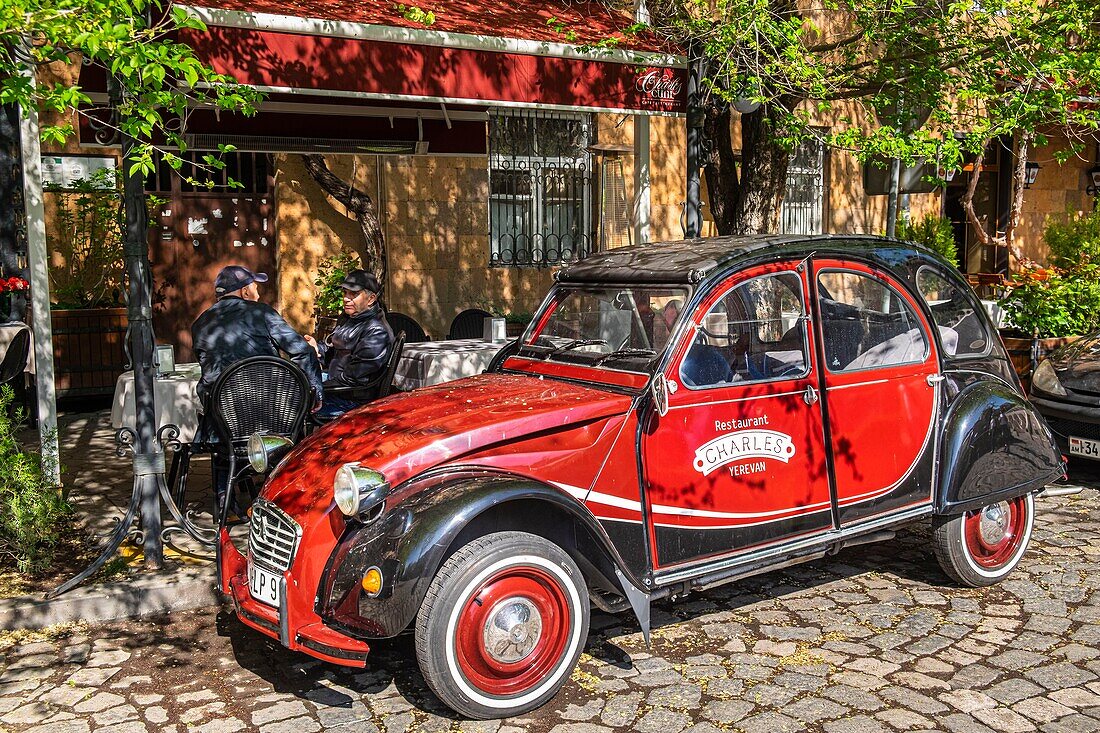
(528, 611)
(993, 534)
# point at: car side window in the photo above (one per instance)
(866, 324)
(755, 332)
(962, 330)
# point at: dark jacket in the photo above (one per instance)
(358, 349)
(233, 329)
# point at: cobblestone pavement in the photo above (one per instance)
(875, 639)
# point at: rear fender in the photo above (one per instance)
(994, 446)
(412, 541)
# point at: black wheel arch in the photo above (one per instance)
(994, 446)
(412, 541)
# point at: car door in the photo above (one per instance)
(739, 459)
(880, 377)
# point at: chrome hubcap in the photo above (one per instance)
(513, 630)
(993, 525)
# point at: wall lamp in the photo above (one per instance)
(1093, 186)
(1031, 172)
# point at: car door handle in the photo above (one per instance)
(810, 395)
(934, 379)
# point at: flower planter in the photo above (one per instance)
(89, 350)
(1027, 352)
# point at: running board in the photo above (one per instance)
(864, 539)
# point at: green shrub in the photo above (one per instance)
(33, 514)
(1051, 303)
(934, 232)
(329, 300)
(1073, 240)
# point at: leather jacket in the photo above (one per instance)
(234, 329)
(358, 349)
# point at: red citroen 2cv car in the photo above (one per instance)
(678, 415)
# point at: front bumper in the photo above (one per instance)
(1068, 418)
(294, 623)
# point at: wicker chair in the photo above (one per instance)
(414, 332)
(15, 358)
(469, 324)
(258, 394)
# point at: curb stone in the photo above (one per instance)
(144, 595)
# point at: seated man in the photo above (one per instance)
(358, 349)
(236, 327)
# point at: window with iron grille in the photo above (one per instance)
(803, 209)
(252, 171)
(540, 180)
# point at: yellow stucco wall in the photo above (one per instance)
(1059, 188)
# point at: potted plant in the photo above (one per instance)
(7, 287)
(934, 232)
(1051, 306)
(328, 302)
(87, 282)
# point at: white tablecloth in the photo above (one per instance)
(7, 333)
(174, 399)
(435, 362)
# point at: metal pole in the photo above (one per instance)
(643, 202)
(147, 455)
(892, 197)
(693, 213)
(31, 152)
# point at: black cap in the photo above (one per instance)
(235, 277)
(358, 280)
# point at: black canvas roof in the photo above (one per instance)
(691, 260)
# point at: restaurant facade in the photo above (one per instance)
(497, 141)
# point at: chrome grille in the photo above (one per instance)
(272, 536)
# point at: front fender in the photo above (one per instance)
(994, 446)
(408, 544)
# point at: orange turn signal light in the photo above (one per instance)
(372, 581)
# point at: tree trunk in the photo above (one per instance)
(361, 207)
(764, 164)
(745, 199)
(1007, 239)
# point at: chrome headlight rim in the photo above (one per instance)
(265, 450)
(1045, 379)
(359, 490)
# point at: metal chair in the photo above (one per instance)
(414, 332)
(469, 324)
(15, 358)
(510, 349)
(258, 394)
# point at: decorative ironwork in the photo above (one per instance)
(540, 184)
(146, 466)
(803, 210)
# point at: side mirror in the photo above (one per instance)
(658, 387)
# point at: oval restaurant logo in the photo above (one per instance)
(743, 445)
(659, 84)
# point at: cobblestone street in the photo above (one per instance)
(875, 639)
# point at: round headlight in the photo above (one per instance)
(345, 490)
(257, 454)
(264, 451)
(1046, 380)
(358, 490)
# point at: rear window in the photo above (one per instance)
(962, 329)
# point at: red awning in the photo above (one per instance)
(489, 53)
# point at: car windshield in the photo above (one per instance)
(622, 328)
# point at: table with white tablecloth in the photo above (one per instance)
(434, 362)
(174, 398)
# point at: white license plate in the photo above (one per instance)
(1084, 447)
(263, 584)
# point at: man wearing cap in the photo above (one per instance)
(238, 326)
(358, 349)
